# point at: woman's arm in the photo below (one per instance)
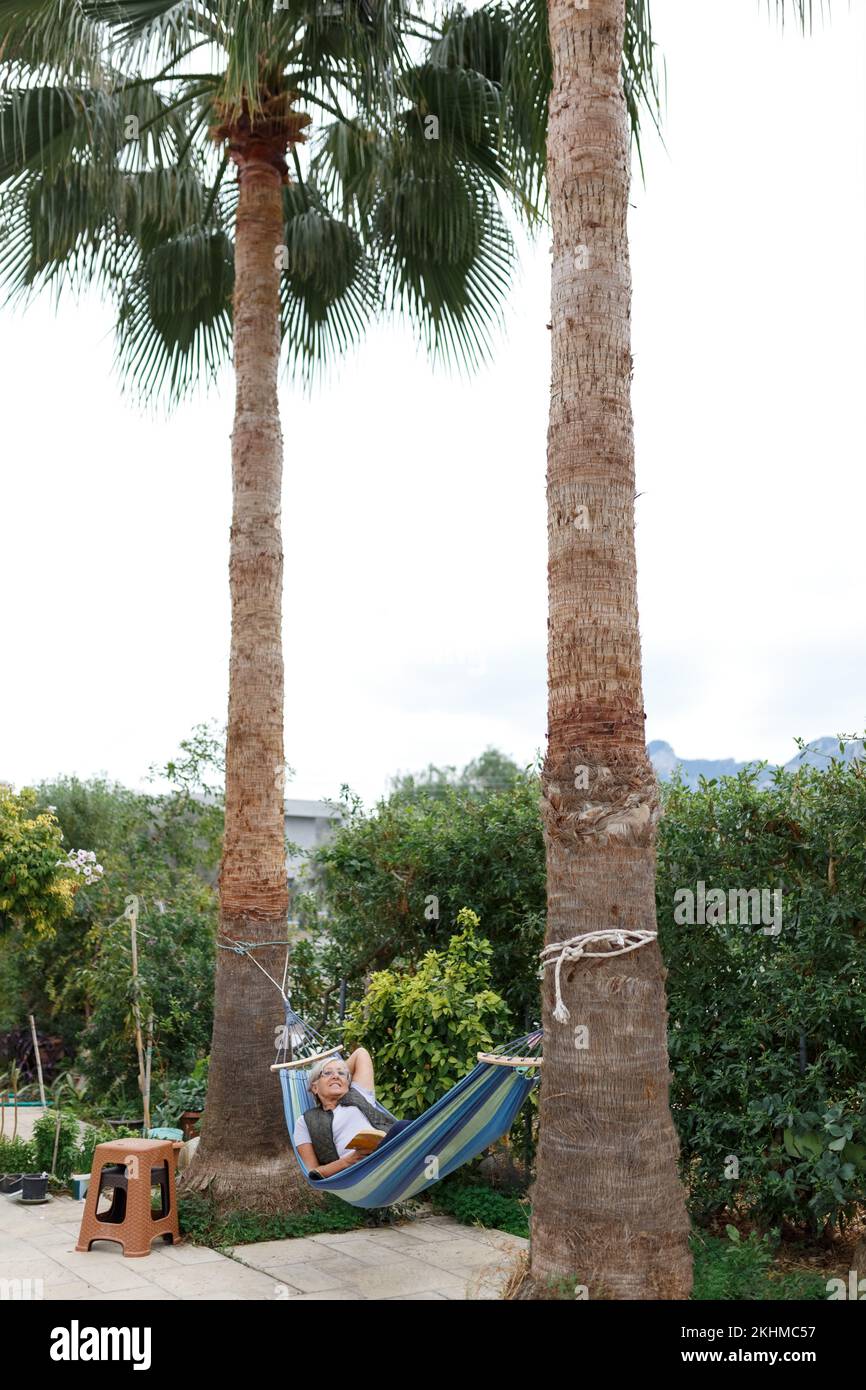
(308, 1158)
(360, 1066)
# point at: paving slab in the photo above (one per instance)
(76, 1289)
(343, 1294)
(428, 1232)
(148, 1295)
(310, 1276)
(430, 1257)
(460, 1254)
(267, 1252)
(212, 1280)
(394, 1277)
(409, 1297)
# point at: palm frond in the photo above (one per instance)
(143, 30)
(47, 36)
(641, 81)
(478, 41)
(111, 175)
(174, 325)
(345, 167)
(447, 254)
(51, 128)
(803, 11)
(329, 289)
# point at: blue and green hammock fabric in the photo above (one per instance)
(471, 1116)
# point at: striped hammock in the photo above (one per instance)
(470, 1117)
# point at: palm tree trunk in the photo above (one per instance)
(245, 1159)
(608, 1208)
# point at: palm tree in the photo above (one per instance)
(608, 1207)
(118, 123)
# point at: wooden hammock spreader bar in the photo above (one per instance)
(497, 1060)
(307, 1061)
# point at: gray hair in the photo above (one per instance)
(318, 1067)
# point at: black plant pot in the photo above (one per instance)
(35, 1187)
(11, 1182)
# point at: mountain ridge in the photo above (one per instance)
(817, 753)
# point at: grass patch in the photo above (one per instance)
(476, 1204)
(199, 1223)
(737, 1268)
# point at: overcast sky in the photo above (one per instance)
(414, 503)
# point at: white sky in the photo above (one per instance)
(414, 504)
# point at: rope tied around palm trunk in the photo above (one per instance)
(559, 953)
(246, 948)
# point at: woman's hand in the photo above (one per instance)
(339, 1164)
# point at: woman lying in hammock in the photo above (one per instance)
(345, 1105)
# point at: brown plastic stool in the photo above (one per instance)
(129, 1169)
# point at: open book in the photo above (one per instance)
(366, 1140)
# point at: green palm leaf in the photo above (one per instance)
(330, 286)
(423, 130)
(174, 323)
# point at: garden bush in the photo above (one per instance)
(767, 1033)
(394, 881)
(200, 1223)
(767, 1037)
(424, 1027)
(72, 968)
(182, 1093)
(738, 1268)
(35, 890)
(99, 1134)
(67, 1144)
(18, 1156)
(476, 1204)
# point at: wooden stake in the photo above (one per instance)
(56, 1142)
(147, 1075)
(38, 1060)
(131, 911)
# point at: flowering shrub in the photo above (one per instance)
(83, 861)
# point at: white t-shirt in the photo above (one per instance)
(348, 1120)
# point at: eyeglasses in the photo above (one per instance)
(334, 1071)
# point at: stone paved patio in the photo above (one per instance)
(433, 1257)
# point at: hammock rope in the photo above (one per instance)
(559, 953)
(246, 948)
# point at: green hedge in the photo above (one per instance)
(768, 1033)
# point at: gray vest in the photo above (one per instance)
(320, 1123)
